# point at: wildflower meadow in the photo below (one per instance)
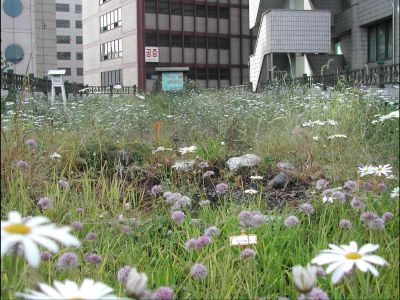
(289, 193)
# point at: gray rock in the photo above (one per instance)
(279, 181)
(247, 160)
(184, 165)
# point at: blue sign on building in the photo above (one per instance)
(172, 81)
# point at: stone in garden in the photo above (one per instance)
(247, 160)
(184, 165)
(279, 181)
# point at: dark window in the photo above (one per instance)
(201, 73)
(163, 6)
(212, 73)
(78, 24)
(212, 42)
(151, 39)
(79, 71)
(111, 20)
(188, 9)
(224, 74)
(67, 71)
(79, 56)
(150, 6)
(224, 12)
(104, 1)
(201, 42)
(62, 24)
(212, 11)
(200, 11)
(176, 41)
(191, 74)
(78, 39)
(176, 9)
(164, 40)
(62, 7)
(224, 43)
(64, 55)
(111, 50)
(111, 77)
(63, 39)
(189, 41)
(150, 70)
(380, 41)
(78, 8)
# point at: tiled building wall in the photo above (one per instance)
(372, 10)
(301, 31)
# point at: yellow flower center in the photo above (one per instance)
(18, 228)
(353, 255)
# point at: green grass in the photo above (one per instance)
(268, 124)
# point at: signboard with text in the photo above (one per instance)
(172, 81)
(151, 54)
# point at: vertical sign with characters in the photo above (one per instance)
(151, 54)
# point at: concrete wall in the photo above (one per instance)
(93, 39)
(34, 31)
(73, 47)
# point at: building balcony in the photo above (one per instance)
(289, 31)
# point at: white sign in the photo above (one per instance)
(243, 239)
(151, 54)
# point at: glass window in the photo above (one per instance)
(189, 41)
(67, 71)
(13, 8)
(62, 24)
(104, 1)
(14, 53)
(390, 42)
(224, 12)
(176, 41)
(188, 9)
(79, 71)
(224, 74)
(380, 41)
(176, 9)
(79, 56)
(163, 6)
(212, 43)
(62, 7)
(224, 43)
(150, 6)
(200, 11)
(201, 73)
(111, 50)
(151, 39)
(164, 40)
(78, 24)
(338, 48)
(212, 11)
(201, 42)
(111, 77)
(63, 39)
(372, 44)
(110, 20)
(78, 40)
(212, 73)
(64, 55)
(78, 8)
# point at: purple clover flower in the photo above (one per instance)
(247, 253)
(162, 293)
(178, 216)
(123, 273)
(387, 216)
(350, 185)
(45, 203)
(321, 184)
(203, 164)
(307, 208)
(67, 260)
(45, 255)
(22, 164)
(63, 184)
(91, 236)
(345, 224)
(291, 221)
(31, 143)
(221, 188)
(208, 174)
(251, 218)
(93, 258)
(77, 225)
(212, 231)
(199, 271)
(157, 189)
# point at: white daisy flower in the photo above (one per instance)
(305, 278)
(136, 283)
(366, 170)
(33, 232)
(382, 170)
(251, 191)
(342, 259)
(186, 150)
(256, 177)
(395, 193)
(55, 155)
(315, 138)
(327, 199)
(70, 290)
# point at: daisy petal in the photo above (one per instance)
(7, 242)
(31, 252)
(373, 270)
(337, 249)
(326, 258)
(45, 242)
(37, 221)
(334, 266)
(362, 265)
(375, 259)
(368, 248)
(337, 275)
(14, 217)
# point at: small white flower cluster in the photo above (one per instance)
(160, 149)
(320, 123)
(331, 137)
(392, 115)
(377, 171)
(395, 193)
(186, 150)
